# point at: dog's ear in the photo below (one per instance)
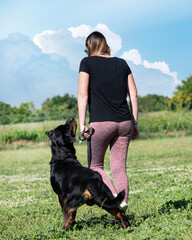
(55, 137)
(49, 133)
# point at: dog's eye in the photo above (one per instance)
(67, 126)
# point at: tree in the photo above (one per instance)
(60, 103)
(152, 102)
(5, 109)
(26, 108)
(183, 96)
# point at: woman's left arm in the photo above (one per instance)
(132, 92)
(82, 99)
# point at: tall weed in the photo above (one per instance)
(169, 121)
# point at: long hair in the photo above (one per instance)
(96, 44)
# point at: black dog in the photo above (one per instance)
(75, 184)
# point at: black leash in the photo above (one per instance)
(90, 131)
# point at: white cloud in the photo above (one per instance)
(29, 75)
(70, 44)
(134, 56)
(63, 44)
(163, 67)
(152, 81)
(81, 31)
(50, 41)
(113, 39)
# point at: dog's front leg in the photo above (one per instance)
(121, 216)
(69, 217)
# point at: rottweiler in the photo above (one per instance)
(74, 184)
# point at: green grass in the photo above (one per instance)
(160, 200)
(27, 131)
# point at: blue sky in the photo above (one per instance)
(42, 43)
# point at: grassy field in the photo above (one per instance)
(154, 124)
(160, 200)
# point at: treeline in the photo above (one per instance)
(182, 99)
(61, 107)
(56, 108)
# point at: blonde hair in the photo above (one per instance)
(96, 44)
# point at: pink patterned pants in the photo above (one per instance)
(117, 135)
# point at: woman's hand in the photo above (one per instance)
(83, 128)
(135, 133)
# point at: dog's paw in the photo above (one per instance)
(66, 228)
(125, 220)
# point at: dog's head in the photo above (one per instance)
(64, 134)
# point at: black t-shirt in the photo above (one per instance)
(107, 88)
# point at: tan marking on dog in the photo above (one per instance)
(69, 215)
(118, 215)
(63, 202)
(74, 124)
(87, 194)
(121, 219)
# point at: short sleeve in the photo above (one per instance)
(128, 70)
(83, 67)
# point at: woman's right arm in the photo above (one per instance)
(82, 99)
(132, 92)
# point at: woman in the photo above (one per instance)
(104, 82)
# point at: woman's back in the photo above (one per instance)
(107, 88)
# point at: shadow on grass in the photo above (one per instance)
(92, 221)
(166, 208)
(179, 204)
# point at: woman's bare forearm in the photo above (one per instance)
(134, 107)
(82, 97)
(132, 92)
(82, 108)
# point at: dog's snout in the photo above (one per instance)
(72, 122)
(69, 120)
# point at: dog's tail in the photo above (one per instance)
(113, 203)
(104, 198)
